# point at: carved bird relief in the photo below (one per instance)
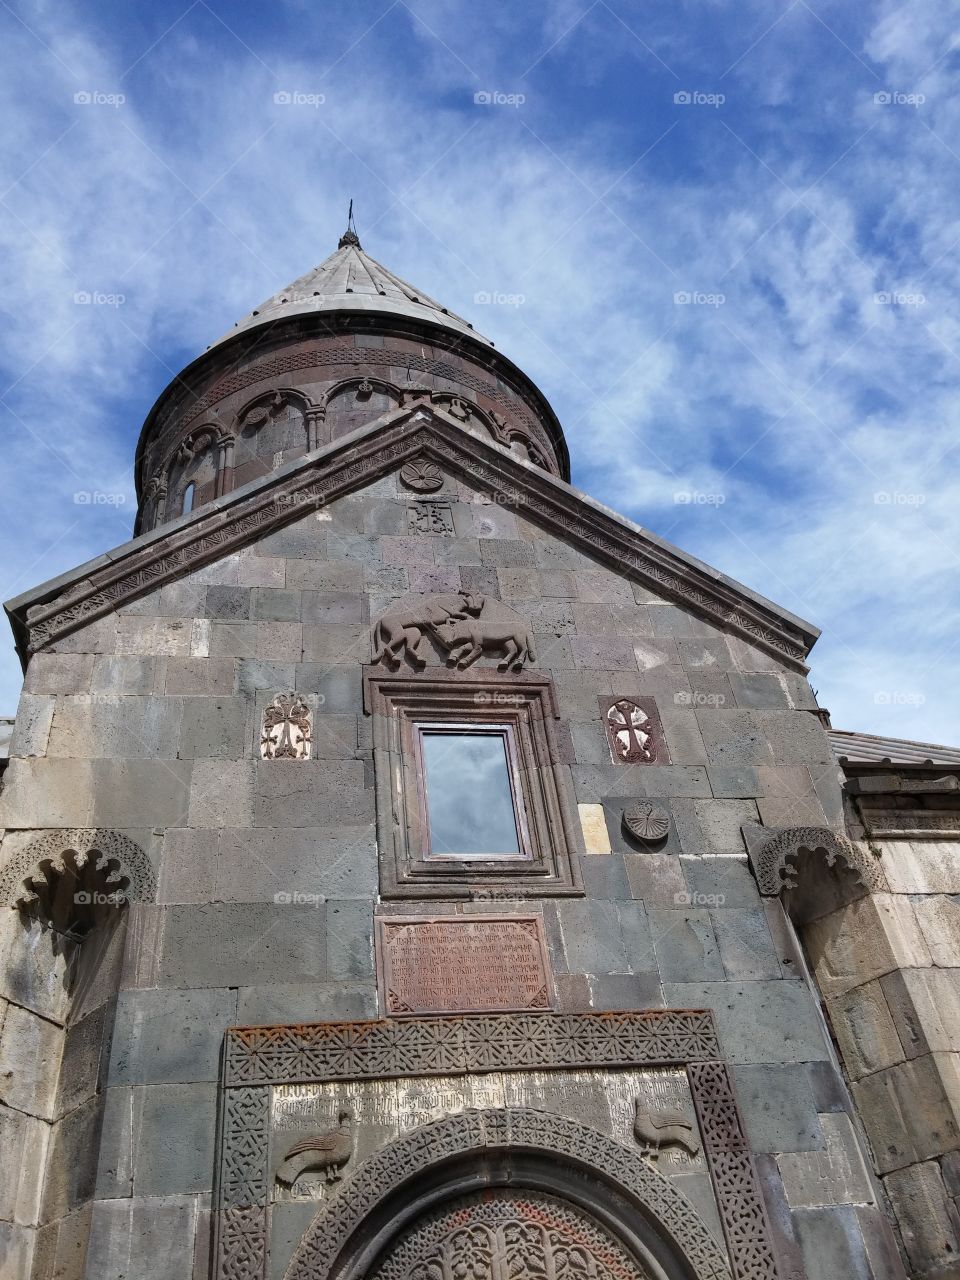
(662, 1128)
(326, 1154)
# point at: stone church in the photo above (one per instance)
(414, 870)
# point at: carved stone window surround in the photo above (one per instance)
(525, 704)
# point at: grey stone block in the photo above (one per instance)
(72, 1160)
(763, 690)
(778, 1107)
(96, 637)
(221, 794)
(59, 673)
(170, 1037)
(593, 782)
(84, 1046)
(685, 945)
(183, 599)
(340, 686)
(30, 1049)
(337, 608)
(703, 655)
(656, 878)
(795, 737)
(558, 583)
(326, 862)
(735, 738)
(683, 736)
(228, 604)
(175, 1143)
(139, 793)
(350, 939)
(637, 940)
(242, 944)
(325, 575)
(456, 552)
(261, 571)
(272, 604)
(605, 876)
(604, 653)
(720, 882)
(114, 726)
(309, 793)
(306, 539)
(504, 553)
(758, 1021)
(386, 517)
(745, 944)
(207, 676)
(147, 1239)
(832, 1244)
(32, 728)
(592, 938)
(125, 673)
(278, 1003)
(738, 782)
(214, 727)
(47, 793)
(335, 644)
(600, 586)
(233, 639)
(613, 991)
(254, 674)
(188, 866)
(353, 546)
(280, 641)
(483, 580)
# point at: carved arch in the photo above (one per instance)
(330, 1245)
(361, 382)
(775, 866)
(126, 864)
(273, 400)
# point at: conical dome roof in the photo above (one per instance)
(350, 280)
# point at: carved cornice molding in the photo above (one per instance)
(774, 860)
(418, 432)
(125, 862)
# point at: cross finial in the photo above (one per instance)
(350, 235)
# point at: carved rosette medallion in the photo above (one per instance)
(421, 476)
(646, 821)
(287, 729)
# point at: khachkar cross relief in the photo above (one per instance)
(463, 627)
(634, 731)
(287, 729)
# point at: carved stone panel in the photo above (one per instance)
(507, 1234)
(462, 964)
(462, 628)
(287, 729)
(430, 517)
(634, 731)
(421, 476)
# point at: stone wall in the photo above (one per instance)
(148, 723)
(889, 967)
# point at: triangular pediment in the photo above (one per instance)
(419, 432)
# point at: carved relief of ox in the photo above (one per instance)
(459, 628)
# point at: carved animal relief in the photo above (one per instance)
(322, 1155)
(657, 1127)
(287, 729)
(461, 627)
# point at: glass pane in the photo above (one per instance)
(469, 798)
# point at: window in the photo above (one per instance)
(472, 796)
(189, 493)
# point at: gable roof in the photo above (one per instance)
(418, 430)
(350, 280)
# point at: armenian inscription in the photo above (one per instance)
(462, 964)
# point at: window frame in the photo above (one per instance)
(442, 728)
(522, 702)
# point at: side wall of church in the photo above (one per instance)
(148, 723)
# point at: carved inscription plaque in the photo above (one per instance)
(462, 964)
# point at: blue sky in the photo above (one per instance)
(724, 237)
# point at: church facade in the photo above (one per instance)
(411, 868)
